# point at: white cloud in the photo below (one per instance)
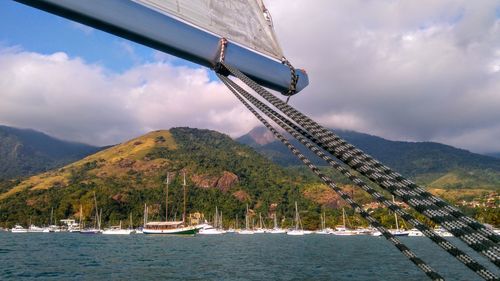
(71, 99)
(415, 70)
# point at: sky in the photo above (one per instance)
(414, 70)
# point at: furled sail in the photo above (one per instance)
(245, 22)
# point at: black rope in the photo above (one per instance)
(443, 243)
(420, 200)
(431, 273)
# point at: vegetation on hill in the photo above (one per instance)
(220, 172)
(27, 152)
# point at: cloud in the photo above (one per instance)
(411, 70)
(74, 100)
(415, 70)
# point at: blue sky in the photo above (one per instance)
(37, 31)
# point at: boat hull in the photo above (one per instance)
(177, 231)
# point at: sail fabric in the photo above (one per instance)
(245, 22)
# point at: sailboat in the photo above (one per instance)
(298, 229)
(247, 229)
(261, 229)
(323, 229)
(117, 230)
(97, 222)
(171, 227)
(52, 227)
(341, 230)
(217, 228)
(397, 231)
(19, 229)
(276, 229)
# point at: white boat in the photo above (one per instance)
(97, 222)
(34, 228)
(261, 228)
(298, 229)
(415, 233)
(276, 229)
(397, 231)
(18, 229)
(247, 230)
(442, 232)
(211, 231)
(363, 231)
(324, 230)
(90, 231)
(216, 229)
(341, 230)
(117, 230)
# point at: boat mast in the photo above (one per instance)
(395, 216)
(275, 222)
(145, 215)
(96, 213)
(81, 214)
(296, 216)
(343, 218)
(184, 209)
(246, 220)
(216, 217)
(166, 199)
(51, 215)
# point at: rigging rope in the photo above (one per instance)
(431, 273)
(471, 232)
(443, 243)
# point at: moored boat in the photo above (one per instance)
(342, 230)
(297, 231)
(19, 229)
(415, 233)
(276, 229)
(169, 227)
(247, 230)
(117, 230)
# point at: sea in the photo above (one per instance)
(71, 256)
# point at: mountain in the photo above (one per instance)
(495, 155)
(219, 171)
(426, 162)
(26, 152)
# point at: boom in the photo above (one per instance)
(150, 27)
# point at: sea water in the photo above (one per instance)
(71, 256)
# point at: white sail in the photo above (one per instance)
(245, 22)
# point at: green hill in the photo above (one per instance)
(220, 172)
(434, 164)
(27, 152)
